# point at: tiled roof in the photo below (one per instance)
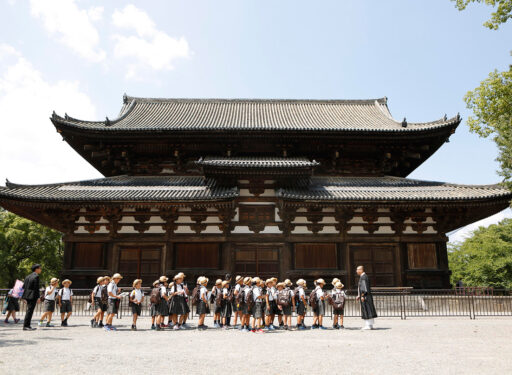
(256, 162)
(389, 189)
(123, 188)
(146, 114)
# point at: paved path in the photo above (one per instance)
(421, 346)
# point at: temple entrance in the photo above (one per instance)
(257, 260)
(378, 261)
(139, 263)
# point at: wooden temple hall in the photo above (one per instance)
(286, 188)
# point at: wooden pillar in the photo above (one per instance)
(285, 260)
(68, 255)
(227, 258)
(442, 260)
(404, 263)
(170, 257)
(342, 262)
(349, 267)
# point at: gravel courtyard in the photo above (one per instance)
(424, 346)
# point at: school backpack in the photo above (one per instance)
(43, 295)
(338, 302)
(155, 297)
(104, 295)
(312, 299)
(296, 294)
(195, 295)
(239, 299)
(283, 298)
(229, 296)
(218, 297)
(249, 298)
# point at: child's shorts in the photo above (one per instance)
(113, 307)
(337, 311)
(136, 309)
(49, 305)
(65, 307)
(301, 309)
(100, 305)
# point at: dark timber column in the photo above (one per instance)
(285, 260)
(442, 256)
(226, 259)
(169, 257)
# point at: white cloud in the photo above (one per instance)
(149, 48)
(465, 232)
(73, 26)
(32, 151)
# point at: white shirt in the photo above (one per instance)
(246, 289)
(48, 296)
(97, 290)
(225, 291)
(271, 293)
(256, 292)
(163, 290)
(203, 293)
(319, 292)
(65, 294)
(237, 288)
(301, 293)
(112, 288)
(137, 294)
(178, 288)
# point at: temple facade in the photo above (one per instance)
(286, 188)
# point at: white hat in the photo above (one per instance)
(334, 281)
(163, 279)
(117, 276)
(301, 282)
(339, 285)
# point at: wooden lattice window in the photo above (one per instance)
(256, 213)
(88, 255)
(197, 255)
(315, 256)
(422, 255)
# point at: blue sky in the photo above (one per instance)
(79, 57)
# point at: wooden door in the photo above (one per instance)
(378, 261)
(139, 263)
(257, 260)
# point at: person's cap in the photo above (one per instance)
(224, 283)
(339, 285)
(54, 280)
(247, 280)
(180, 275)
(320, 281)
(256, 279)
(67, 281)
(218, 281)
(155, 283)
(274, 279)
(280, 285)
(288, 282)
(35, 267)
(334, 281)
(136, 281)
(117, 276)
(163, 279)
(227, 276)
(204, 280)
(106, 278)
(98, 280)
(301, 282)
(269, 281)
(238, 278)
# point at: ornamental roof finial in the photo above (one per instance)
(404, 123)
(125, 98)
(107, 121)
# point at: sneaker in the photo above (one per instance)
(176, 327)
(153, 326)
(314, 326)
(158, 328)
(7, 321)
(341, 327)
(180, 326)
(16, 321)
(225, 328)
(112, 328)
(185, 326)
(301, 328)
(366, 328)
(106, 328)
(101, 325)
(62, 324)
(49, 325)
(134, 328)
(259, 330)
(29, 329)
(322, 327)
(92, 323)
(40, 323)
(285, 328)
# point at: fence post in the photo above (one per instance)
(471, 306)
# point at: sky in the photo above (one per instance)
(80, 57)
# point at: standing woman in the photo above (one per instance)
(202, 306)
(364, 294)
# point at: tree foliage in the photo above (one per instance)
(23, 243)
(485, 258)
(502, 13)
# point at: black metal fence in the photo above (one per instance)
(394, 302)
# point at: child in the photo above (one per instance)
(337, 300)
(227, 278)
(98, 295)
(257, 310)
(236, 307)
(246, 305)
(114, 297)
(178, 307)
(217, 298)
(301, 304)
(169, 324)
(202, 305)
(13, 306)
(227, 296)
(319, 309)
(49, 302)
(263, 304)
(285, 301)
(162, 308)
(152, 307)
(270, 302)
(136, 298)
(65, 302)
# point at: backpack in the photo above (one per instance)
(104, 295)
(229, 296)
(312, 299)
(155, 297)
(239, 299)
(43, 295)
(338, 302)
(296, 294)
(249, 299)
(218, 297)
(283, 298)
(195, 295)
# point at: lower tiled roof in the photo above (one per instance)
(389, 189)
(124, 188)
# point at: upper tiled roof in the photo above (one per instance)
(390, 189)
(146, 114)
(256, 162)
(123, 188)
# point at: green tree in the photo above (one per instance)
(499, 16)
(485, 258)
(23, 243)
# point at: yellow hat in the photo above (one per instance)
(288, 282)
(280, 285)
(106, 278)
(117, 276)
(136, 281)
(67, 281)
(99, 279)
(180, 275)
(256, 279)
(269, 281)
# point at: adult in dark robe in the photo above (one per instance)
(31, 295)
(364, 295)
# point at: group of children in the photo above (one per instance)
(253, 301)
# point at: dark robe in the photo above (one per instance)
(31, 295)
(367, 306)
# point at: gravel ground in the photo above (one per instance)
(424, 346)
